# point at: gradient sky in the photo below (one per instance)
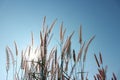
(98, 17)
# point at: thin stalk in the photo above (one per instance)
(75, 72)
(61, 67)
(16, 65)
(61, 71)
(13, 71)
(82, 71)
(80, 62)
(7, 76)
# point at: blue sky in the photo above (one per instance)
(98, 17)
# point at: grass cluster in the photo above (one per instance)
(48, 65)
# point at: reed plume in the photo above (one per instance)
(51, 27)
(16, 49)
(80, 53)
(86, 48)
(101, 62)
(13, 60)
(96, 60)
(74, 56)
(44, 20)
(7, 60)
(80, 35)
(47, 65)
(114, 76)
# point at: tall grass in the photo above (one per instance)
(49, 65)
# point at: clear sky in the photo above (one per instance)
(98, 17)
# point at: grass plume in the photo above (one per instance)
(64, 64)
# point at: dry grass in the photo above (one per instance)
(80, 35)
(7, 63)
(101, 75)
(49, 65)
